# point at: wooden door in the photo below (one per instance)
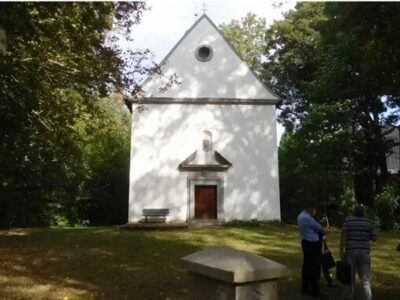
(205, 202)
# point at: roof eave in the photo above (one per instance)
(173, 100)
(212, 168)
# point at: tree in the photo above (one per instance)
(357, 60)
(103, 198)
(307, 175)
(351, 63)
(291, 47)
(59, 59)
(248, 38)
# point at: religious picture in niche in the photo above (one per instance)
(207, 140)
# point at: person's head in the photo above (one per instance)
(311, 208)
(359, 210)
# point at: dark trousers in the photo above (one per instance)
(311, 269)
(325, 270)
(327, 275)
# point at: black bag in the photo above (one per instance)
(327, 260)
(343, 272)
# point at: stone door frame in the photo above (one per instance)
(219, 182)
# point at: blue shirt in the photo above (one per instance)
(308, 227)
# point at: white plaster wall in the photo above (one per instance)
(224, 76)
(163, 135)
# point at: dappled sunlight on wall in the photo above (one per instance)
(165, 134)
(224, 76)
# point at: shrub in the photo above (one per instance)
(347, 201)
(374, 218)
(386, 204)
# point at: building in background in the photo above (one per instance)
(393, 158)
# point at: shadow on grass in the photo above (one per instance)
(108, 263)
(91, 264)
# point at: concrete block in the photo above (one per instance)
(223, 273)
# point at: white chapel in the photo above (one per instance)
(204, 148)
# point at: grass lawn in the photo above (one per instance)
(111, 263)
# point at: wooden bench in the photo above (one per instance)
(155, 213)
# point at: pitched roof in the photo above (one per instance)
(225, 77)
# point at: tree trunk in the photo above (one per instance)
(364, 188)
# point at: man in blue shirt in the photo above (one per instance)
(309, 230)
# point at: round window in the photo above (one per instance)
(204, 53)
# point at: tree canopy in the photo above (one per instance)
(248, 38)
(58, 61)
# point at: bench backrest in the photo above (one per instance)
(155, 211)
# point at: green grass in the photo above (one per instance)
(111, 263)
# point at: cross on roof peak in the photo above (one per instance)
(204, 7)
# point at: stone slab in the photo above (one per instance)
(233, 266)
(203, 287)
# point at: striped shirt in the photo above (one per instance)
(359, 232)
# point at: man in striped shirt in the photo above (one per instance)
(356, 235)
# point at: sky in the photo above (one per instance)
(165, 23)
